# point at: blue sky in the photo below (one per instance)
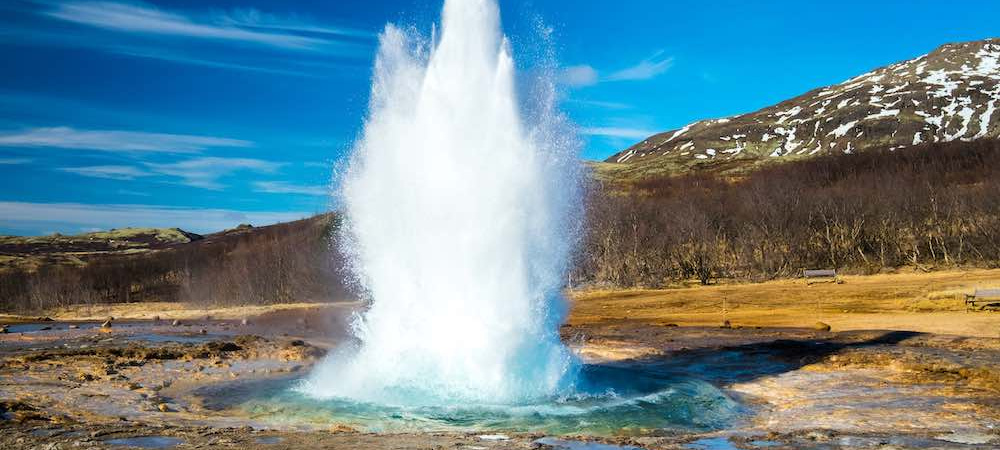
(205, 114)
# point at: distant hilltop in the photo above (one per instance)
(949, 94)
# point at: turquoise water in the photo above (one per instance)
(146, 442)
(607, 401)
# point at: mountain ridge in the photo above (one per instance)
(951, 93)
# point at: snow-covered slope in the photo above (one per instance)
(952, 93)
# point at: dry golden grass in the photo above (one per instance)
(165, 311)
(923, 302)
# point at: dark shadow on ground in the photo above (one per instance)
(742, 363)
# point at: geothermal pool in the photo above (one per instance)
(610, 401)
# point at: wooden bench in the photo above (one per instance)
(983, 298)
(819, 275)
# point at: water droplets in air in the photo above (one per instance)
(462, 203)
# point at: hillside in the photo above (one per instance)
(933, 206)
(256, 265)
(29, 252)
(949, 94)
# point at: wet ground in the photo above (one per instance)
(157, 384)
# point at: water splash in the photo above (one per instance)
(462, 205)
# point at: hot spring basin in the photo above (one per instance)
(609, 400)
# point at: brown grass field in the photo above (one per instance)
(913, 301)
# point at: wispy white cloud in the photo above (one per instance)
(600, 104)
(76, 216)
(205, 172)
(141, 18)
(586, 75)
(648, 68)
(246, 39)
(115, 140)
(579, 76)
(617, 132)
(14, 161)
(280, 187)
(135, 193)
(183, 58)
(109, 172)
(254, 18)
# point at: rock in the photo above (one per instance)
(726, 324)
(156, 318)
(4, 330)
(341, 428)
(819, 436)
(203, 331)
(176, 323)
(106, 324)
(73, 327)
(244, 322)
(84, 377)
(820, 326)
(671, 325)
(134, 386)
(163, 407)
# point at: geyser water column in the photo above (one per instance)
(461, 208)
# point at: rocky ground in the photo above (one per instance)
(140, 383)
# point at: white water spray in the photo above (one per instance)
(462, 205)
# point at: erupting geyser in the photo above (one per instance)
(462, 203)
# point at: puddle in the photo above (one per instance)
(268, 440)
(46, 432)
(562, 444)
(764, 444)
(47, 326)
(493, 437)
(969, 438)
(715, 443)
(178, 338)
(146, 442)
